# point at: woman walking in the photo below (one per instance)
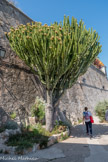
(86, 118)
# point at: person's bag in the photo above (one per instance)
(91, 119)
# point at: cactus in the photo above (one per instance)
(58, 53)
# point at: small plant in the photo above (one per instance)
(56, 122)
(60, 123)
(101, 109)
(13, 115)
(38, 109)
(11, 125)
(80, 121)
(59, 127)
(63, 137)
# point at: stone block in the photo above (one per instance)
(35, 147)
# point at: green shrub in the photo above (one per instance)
(63, 137)
(13, 115)
(42, 130)
(27, 139)
(34, 134)
(60, 123)
(100, 110)
(38, 109)
(11, 125)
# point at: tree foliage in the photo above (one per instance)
(58, 54)
(100, 109)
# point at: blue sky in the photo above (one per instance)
(94, 13)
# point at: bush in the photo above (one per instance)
(63, 137)
(27, 139)
(38, 109)
(34, 134)
(101, 109)
(59, 122)
(11, 125)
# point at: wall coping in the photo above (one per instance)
(18, 10)
(98, 70)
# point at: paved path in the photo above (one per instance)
(99, 144)
(77, 148)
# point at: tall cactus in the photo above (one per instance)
(58, 54)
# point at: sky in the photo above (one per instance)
(94, 13)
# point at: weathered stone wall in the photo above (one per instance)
(90, 89)
(18, 86)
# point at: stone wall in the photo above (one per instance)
(18, 86)
(90, 89)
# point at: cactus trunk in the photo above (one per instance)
(49, 112)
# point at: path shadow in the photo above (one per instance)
(98, 130)
(62, 152)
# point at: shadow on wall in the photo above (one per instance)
(23, 107)
(33, 77)
(94, 87)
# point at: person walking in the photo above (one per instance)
(86, 119)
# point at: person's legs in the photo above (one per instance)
(90, 127)
(87, 128)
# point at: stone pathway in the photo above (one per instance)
(97, 152)
(77, 148)
(99, 144)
